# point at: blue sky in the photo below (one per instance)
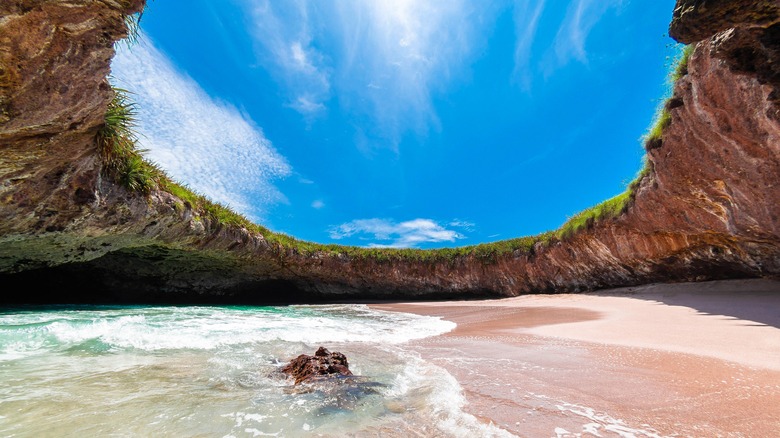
(403, 123)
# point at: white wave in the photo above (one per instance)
(604, 423)
(231, 352)
(443, 395)
(206, 328)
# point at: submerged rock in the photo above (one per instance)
(323, 364)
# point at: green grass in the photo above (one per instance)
(126, 165)
(663, 118)
(661, 121)
(116, 140)
(124, 162)
(682, 64)
(609, 209)
(617, 205)
(133, 25)
(215, 211)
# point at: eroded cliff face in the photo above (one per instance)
(708, 210)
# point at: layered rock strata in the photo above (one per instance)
(708, 209)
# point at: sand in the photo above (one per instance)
(699, 359)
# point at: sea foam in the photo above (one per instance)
(205, 328)
(218, 364)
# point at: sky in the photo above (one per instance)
(400, 123)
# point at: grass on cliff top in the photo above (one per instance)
(611, 208)
(663, 118)
(614, 207)
(133, 25)
(122, 160)
(125, 163)
(681, 68)
(223, 215)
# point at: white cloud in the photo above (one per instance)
(300, 57)
(466, 225)
(399, 54)
(281, 33)
(306, 105)
(318, 204)
(206, 144)
(527, 14)
(385, 60)
(580, 18)
(388, 234)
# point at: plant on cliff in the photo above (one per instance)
(608, 209)
(682, 64)
(126, 164)
(617, 205)
(216, 212)
(133, 24)
(116, 140)
(663, 118)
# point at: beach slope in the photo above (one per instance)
(697, 359)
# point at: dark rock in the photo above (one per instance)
(323, 364)
(697, 20)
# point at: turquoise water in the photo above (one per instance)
(209, 371)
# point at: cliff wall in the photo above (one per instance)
(708, 209)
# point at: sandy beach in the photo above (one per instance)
(697, 359)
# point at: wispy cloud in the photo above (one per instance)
(385, 59)
(307, 105)
(526, 14)
(386, 233)
(403, 51)
(318, 204)
(284, 41)
(198, 140)
(466, 225)
(580, 18)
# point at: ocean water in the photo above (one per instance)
(209, 371)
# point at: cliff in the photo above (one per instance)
(706, 209)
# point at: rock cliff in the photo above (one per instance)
(707, 209)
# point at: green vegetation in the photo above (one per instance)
(116, 142)
(216, 212)
(662, 119)
(133, 24)
(617, 205)
(125, 163)
(611, 208)
(682, 64)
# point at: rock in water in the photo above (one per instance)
(322, 364)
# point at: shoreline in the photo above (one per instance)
(700, 359)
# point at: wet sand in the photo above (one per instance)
(661, 360)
